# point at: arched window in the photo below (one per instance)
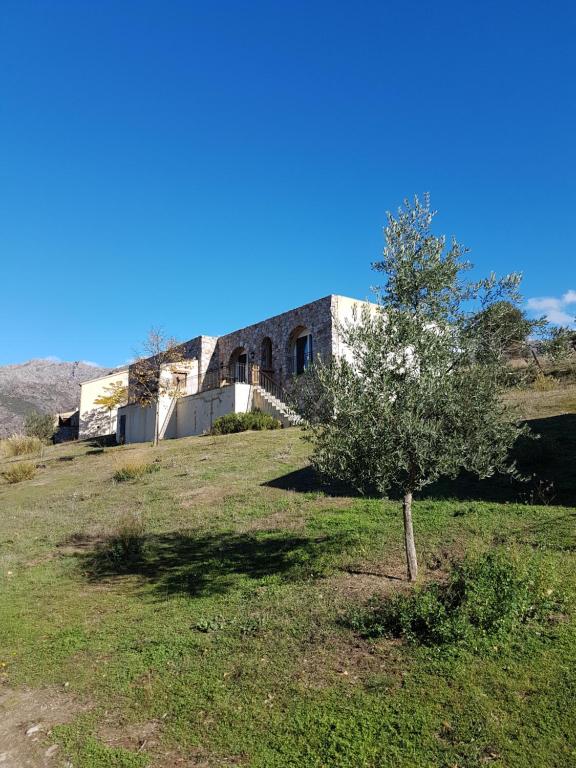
(237, 366)
(266, 354)
(300, 350)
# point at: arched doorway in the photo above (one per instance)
(238, 365)
(299, 350)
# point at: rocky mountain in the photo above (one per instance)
(48, 386)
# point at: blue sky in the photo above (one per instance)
(201, 166)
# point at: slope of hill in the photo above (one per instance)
(48, 386)
(229, 637)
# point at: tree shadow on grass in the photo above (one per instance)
(203, 565)
(549, 463)
(307, 480)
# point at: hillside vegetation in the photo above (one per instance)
(47, 386)
(198, 613)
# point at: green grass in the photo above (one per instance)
(225, 638)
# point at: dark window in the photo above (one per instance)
(303, 353)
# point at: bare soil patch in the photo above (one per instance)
(204, 494)
(27, 717)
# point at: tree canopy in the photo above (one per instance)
(416, 397)
(160, 353)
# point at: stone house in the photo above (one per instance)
(250, 367)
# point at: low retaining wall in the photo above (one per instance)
(193, 414)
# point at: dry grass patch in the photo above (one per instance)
(16, 473)
(134, 470)
(20, 445)
(533, 404)
(204, 494)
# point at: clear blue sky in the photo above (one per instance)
(203, 165)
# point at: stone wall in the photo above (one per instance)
(320, 317)
(200, 347)
(316, 316)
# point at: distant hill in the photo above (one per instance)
(40, 385)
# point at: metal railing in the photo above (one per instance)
(272, 387)
(237, 373)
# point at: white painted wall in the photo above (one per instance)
(193, 414)
(140, 423)
(94, 420)
(346, 311)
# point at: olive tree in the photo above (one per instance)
(40, 425)
(560, 344)
(416, 397)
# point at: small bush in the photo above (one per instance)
(487, 597)
(25, 470)
(20, 445)
(241, 422)
(134, 471)
(543, 383)
(40, 425)
(124, 547)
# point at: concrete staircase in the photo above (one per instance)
(271, 405)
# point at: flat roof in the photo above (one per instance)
(113, 372)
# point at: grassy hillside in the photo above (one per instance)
(228, 642)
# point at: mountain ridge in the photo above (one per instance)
(41, 384)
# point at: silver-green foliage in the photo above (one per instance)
(417, 398)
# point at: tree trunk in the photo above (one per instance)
(411, 560)
(535, 356)
(156, 423)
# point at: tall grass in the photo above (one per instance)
(123, 548)
(20, 445)
(485, 597)
(134, 470)
(24, 470)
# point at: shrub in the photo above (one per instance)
(487, 597)
(241, 422)
(25, 470)
(124, 548)
(20, 445)
(40, 425)
(134, 470)
(543, 383)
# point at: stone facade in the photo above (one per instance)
(269, 344)
(282, 331)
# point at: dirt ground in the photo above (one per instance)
(26, 720)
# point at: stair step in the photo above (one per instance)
(278, 406)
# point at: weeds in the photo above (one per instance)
(486, 597)
(124, 548)
(543, 383)
(25, 470)
(20, 445)
(134, 471)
